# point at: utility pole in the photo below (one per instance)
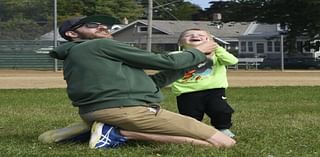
(55, 36)
(150, 13)
(283, 31)
(282, 53)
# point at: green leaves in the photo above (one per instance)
(301, 16)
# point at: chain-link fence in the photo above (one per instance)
(26, 34)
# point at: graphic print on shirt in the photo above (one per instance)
(199, 74)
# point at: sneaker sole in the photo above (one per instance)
(95, 135)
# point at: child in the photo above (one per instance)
(202, 91)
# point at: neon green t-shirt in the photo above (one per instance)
(210, 76)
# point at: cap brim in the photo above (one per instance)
(107, 20)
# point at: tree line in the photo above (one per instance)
(28, 19)
(298, 17)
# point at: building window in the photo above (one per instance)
(243, 46)
(233, 47)
(142, 29)
(277, 46)
(300, 46)
(260, 47)
(269, 46)
(250, 46)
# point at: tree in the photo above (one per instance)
(171, 9)
(22, 19)
(301, 17)
(186, 11)
(119, 9)
(15, 29)
(31, 9)
(222, 7)
(29, 19)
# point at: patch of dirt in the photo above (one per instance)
(273, 78)
(15, 79)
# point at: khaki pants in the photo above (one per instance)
(151, 120)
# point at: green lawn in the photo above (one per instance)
(268, 122)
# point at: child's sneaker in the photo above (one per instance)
(227, 132)
(105, 136)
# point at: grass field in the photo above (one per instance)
(268, 122)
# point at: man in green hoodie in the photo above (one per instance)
(107, 82)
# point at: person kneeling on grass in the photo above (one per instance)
(107, 82)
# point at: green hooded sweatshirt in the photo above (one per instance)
(104, 73)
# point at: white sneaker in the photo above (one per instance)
(227, 132)
(75, 132)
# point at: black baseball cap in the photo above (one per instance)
(69, 24)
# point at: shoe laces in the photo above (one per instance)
(105, 140)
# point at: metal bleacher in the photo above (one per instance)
(27, 55)
(247, 63)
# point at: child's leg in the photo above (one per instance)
(221, 120)
(220, 112)
(218, 109)
(192, 105)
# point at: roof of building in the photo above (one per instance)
(220, 31)
(174, 28)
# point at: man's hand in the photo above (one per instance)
(207, 47)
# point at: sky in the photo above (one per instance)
(202, 3)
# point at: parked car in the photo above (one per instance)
(291, 63)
